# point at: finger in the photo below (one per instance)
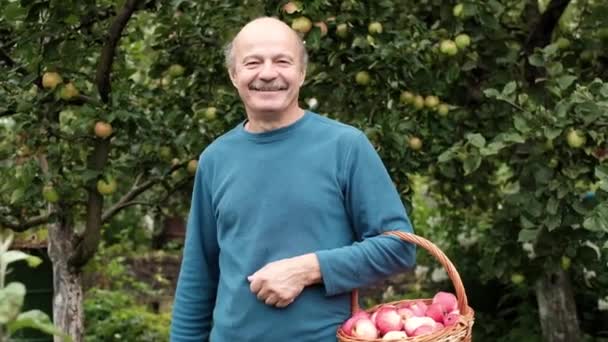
(283, 303)
(271, 300)
(256, 285)
(263, 294)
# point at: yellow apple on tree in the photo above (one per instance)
(457, 10)
(106, 187)
(418, 102)
(68, 92)
(301, 24)
(50, 194)
(431, 101)
(342, 30)
(462, 40)
(374, 28)
(175, 70)
(362, 78)
(448, 47)
(192, 166)
(443, 109)
(415, 143)
(406, 97)
(103, 129)
(51, 79)
(576, 139)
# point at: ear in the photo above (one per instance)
(232, 74)
(302, 76)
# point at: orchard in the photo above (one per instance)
(490, 115)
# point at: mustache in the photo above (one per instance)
(271, 86)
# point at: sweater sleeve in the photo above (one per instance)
(198, 277)
(374, 206)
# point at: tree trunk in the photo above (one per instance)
(556, 306)
(68, 313)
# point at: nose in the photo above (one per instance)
(268, 71)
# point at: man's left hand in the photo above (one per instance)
(280, 282)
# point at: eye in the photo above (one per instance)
(284, 62)
(251, 63)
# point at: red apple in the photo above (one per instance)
(423, 330)
(413, 323)
(348, 326)
(419, 308)
(365, 329)
(394, 336)
(405, 313)
(451, 319)
(436, 312)
(447, 300)
(388, 319)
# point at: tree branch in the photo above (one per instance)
(109, 50)
(540, 35)
(87, 246)
(127, 198)
(135, 191)
(9, 62)
(21, 226)
(7, 112)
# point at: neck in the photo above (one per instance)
(265, 122)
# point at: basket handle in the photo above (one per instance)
(463, 305)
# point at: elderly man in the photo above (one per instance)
(287, 211)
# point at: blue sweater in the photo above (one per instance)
(315, 186)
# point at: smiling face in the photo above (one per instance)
(267, 68)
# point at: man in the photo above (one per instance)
(287, 211)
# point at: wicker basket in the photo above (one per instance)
(462, 331)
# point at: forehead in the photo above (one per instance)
(266, 38)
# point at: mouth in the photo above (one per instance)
(266, 89)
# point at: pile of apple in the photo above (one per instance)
(398, 322)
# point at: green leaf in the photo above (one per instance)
(476, 140)
(574, 171)
(511, 188)
(604, 90)
(509, 88)
(471, 163)
(17, 195)
(536, 60)
(565, 81)
(552, 132)
(528, 235)
(555, 68)
(562, 108)
(445, 156)
(601, 172)
(13, 12)
(552, 222)
(12, 256)
(552, 205)
(38, 320)
(550, 49)
(511, 137)
(491, 93)
(521, 124)
(597, 221)
(11, 301)
(492, 148)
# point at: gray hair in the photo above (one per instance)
(229, 53)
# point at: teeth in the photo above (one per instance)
(267, 89)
